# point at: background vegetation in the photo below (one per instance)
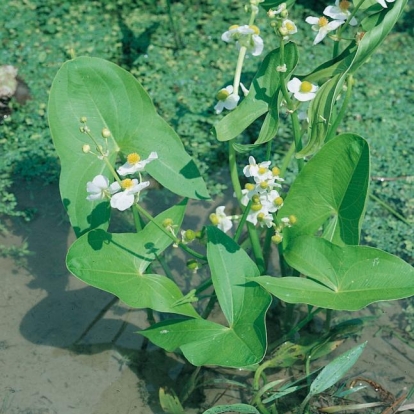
(175, 51)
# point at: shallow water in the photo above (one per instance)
(69, 348)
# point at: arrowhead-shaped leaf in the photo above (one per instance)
(342, 278)
(116, 263)
(331, 190)
(244, 305)
(108, 96)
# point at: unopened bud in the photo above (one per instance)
(167, 223)
(192, 264)
(83, 119)
(106, 133)
(277, 238)
(86, 148)
(189, 235)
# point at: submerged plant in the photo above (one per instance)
(108, 135)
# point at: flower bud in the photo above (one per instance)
(275, 171)
(277, 238)
(189, 235)
(106, 133)
(292, 219)
(192, 264)
(167, 223)
(86, 148)
(83, 119)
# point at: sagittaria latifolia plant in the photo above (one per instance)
(108, 136)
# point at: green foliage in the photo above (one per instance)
(338, 276)
(334, 187)
(334, 371)
(321, 219)
(244, 306)
(263, 98)
(109, 97)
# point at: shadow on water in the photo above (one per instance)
(86, 320)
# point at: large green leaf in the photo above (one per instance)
(342, 278)
(108, 96)
(263, 95)
(331, 190)
(116, 263)
(244, 306)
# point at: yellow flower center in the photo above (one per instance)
(306, 87)
(323, 21)
(234, 26)
(278, 201)
(260, 216)
(255, 29)
(222, 95)
(264, 185)
(256, 207)
(214, 219)
(249, 186)
(262, 170)
(133, 158)
(277, 238)
(127, 184)
(344, 5)
(167, 222)
(290, 26)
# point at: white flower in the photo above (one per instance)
(220, 219)
(253, 169)
(340, 11)
(288, 28)
(126, 198)
(247, 36)
(281, 9)
(260, 214)
(322, 26)
(135, 164)
(226, 99)
(383, 3)
(99, 188)
(302, 91)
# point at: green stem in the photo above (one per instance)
(341, 114)
(177, 38)
(257, 250)
(239, 67)
(292, 109)
(171, 236)
(242, 222)
(390, 209)
(286, 159)
(328, 320)
(137, 218)
(294, 330)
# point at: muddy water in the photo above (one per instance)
(69, 348)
